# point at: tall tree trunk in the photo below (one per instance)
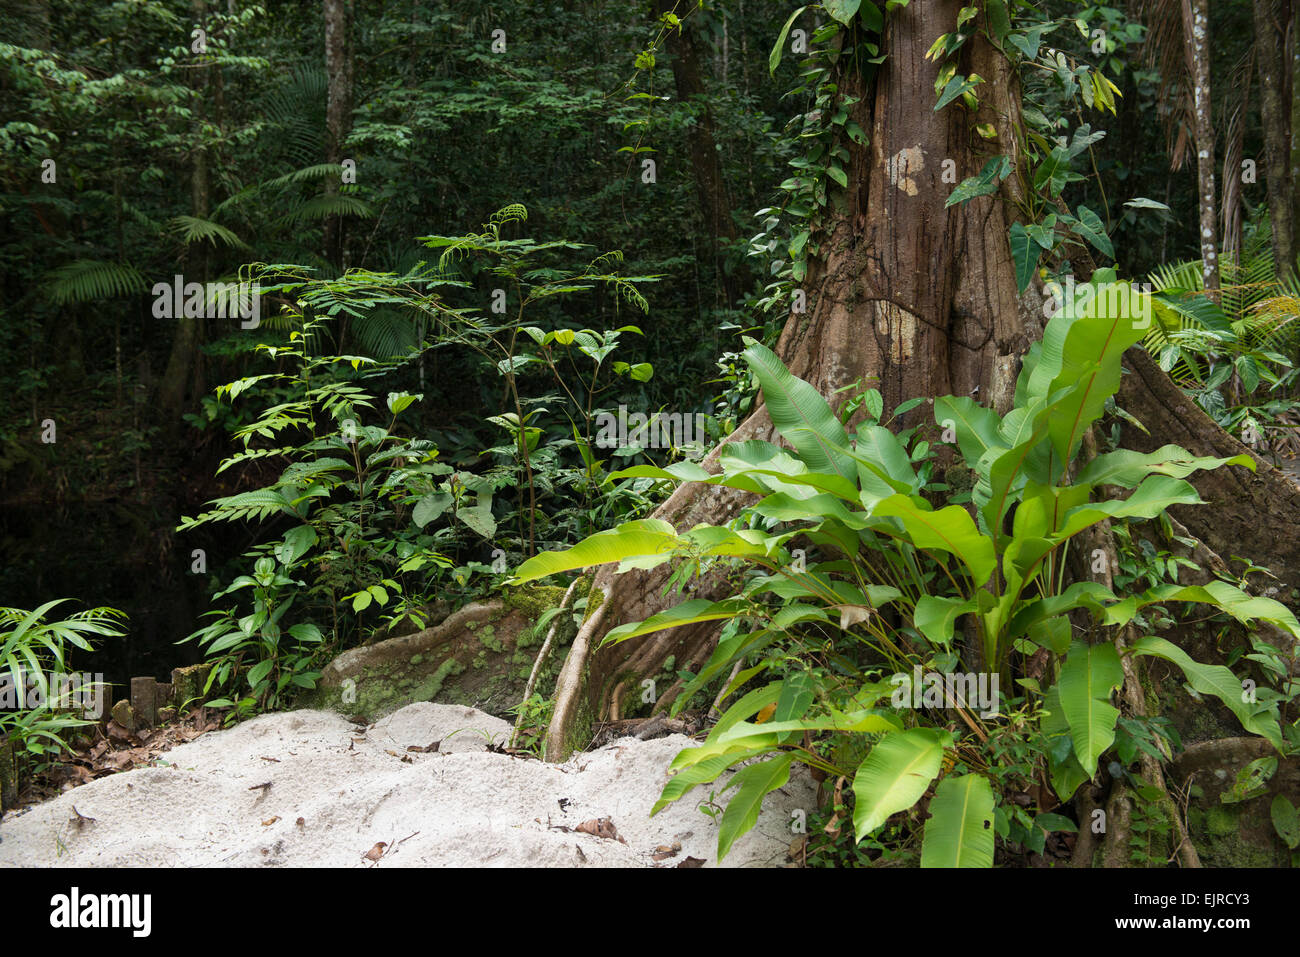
(1275, 113)
(179, 383)
(338, 113)
(1196, 33)
(1292, 53)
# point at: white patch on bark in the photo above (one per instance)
(901, 166)
(900, 326)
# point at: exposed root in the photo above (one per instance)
(551, 632)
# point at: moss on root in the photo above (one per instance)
(1223, 837)
(484, 662)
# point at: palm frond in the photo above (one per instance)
(1167, 51)
(193, 229)
(295, 112)
(385, 334)
(91, 280)
(319, 207)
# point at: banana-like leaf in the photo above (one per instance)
(755, 781)
(885, 468)
(895, 774)
(677, 472)
(738, 543)
(1083, 352)
(856, 722)
(935, 616)
(645, 537)
(949, 529)
(800, 414)
(975, 426)
(1151, 498)
(1089, 675)
(1127, 468)
(1229, 598)
(748, 706)
(1065, 770)
(700, 773)
(783, 508)
(687, 613)
(1093, 596)
(1007, 470)
(959, 832)
(806, 484)
(1216, 680)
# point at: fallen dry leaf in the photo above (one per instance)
(692, 862)
(835, 823)
(664, 851)
(602, 827)
(270, 820)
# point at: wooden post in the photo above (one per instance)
(187, 684)
(8, 775)
(106, 705)
(144, 699)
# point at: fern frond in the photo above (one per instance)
(513, 213)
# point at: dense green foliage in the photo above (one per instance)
(480, 232)
(900, 561)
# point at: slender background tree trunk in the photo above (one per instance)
(338, 113)
(1273, 94)
(1196, 31)
(711, 190)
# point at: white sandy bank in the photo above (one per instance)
(461, 806)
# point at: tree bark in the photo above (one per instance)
(1244, 512)
(338, 113)
(1196, 33)
(1292, 52)
(1269, 45)
(179, 384)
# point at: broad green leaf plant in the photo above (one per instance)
(857, 579)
